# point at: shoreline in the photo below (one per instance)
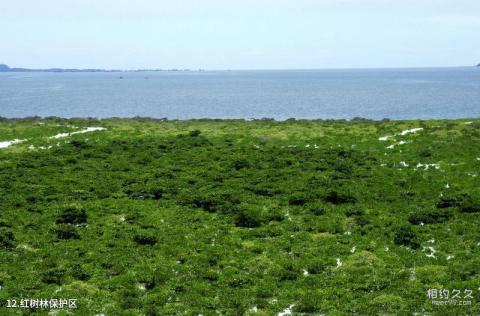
(264, 119)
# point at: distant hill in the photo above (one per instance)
(6, 68)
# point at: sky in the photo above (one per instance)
(239, 34)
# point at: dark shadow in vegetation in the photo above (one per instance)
(145, 238)
(337, 197)
(7, 238)
(66, 231)
(53, 276)
(72, 215)
(221, 202)
(430, 217)
(249, 217)
(463, 201)
(405, 236)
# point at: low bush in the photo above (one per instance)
(430, 217)
(337, 197)
(145, 238)
(72, 215)
(297, 200)
(405, 236)
(249, 217)
(221, 202)
(7, 238)
(66, 231)
(53, 276)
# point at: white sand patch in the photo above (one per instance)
(253, 310)
(427, 166)
(86, 130)
(27, 247)
(287, 311)
(354, 248)
(413, 274)
(31, 147)
(9, 143)
(410, 131)
(402, 133)
(287, 215)
(432, 252)
(339, 263)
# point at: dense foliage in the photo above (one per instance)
(152, 217)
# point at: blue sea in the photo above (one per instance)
(303, 94)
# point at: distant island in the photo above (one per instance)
(6, 68)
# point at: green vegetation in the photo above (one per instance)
(154, 217)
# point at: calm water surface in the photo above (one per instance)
(376, 94)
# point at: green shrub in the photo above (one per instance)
(298, 200)
(463, 201)
(430, 217)
(317, 209)
(317, 266)
(66, 231)
(53, 276)
(354, 212)
(72, 215)
(145, 238)
(79, 272)
(221, 202)
(469, 206)
(310, 302)
(452, 200)
(240, 164)
(195, 133)
(249, 217)
(7, 238)
(275, 215)
(407, 237)
(337, 197)
(387, 303)
(141, 191)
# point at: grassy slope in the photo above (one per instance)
(232, 218)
